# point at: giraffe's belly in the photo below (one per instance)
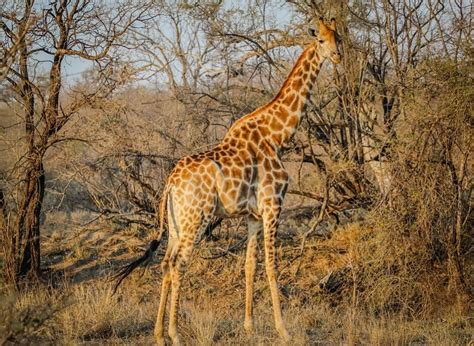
(236, 201)
(235, 177)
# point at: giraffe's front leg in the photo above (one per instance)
(270, 223)
(254, 226)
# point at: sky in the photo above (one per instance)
(74, 66)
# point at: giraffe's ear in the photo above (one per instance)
(322, 25)
(312, 32)
(333, 24)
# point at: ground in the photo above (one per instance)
(82, 309)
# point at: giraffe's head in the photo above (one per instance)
(328, 40)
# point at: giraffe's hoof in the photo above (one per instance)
(160, 341)
(248, 326)
(285, 335)
(175, 340)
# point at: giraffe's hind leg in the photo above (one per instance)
(165, 288)
(178, 264)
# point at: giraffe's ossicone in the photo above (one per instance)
(242, 176)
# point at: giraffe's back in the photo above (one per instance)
(225, 175)
(232, 178)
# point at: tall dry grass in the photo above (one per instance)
(366, 310)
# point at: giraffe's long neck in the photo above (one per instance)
(283, 114)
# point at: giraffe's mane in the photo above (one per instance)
(256, 112)
(291, 74)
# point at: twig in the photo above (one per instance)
(318, 220)
(315, 225)
(230, 249)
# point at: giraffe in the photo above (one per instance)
(241, 176)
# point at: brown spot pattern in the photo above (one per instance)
(241, 176)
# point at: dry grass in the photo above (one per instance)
(93, 317)
(82, 309)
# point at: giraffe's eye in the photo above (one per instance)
(321, 41)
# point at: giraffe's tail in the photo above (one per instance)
(147, 256)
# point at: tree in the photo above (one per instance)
(35, 36)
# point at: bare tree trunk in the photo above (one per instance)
(23, 252)
(22, 239)
(25, 246)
